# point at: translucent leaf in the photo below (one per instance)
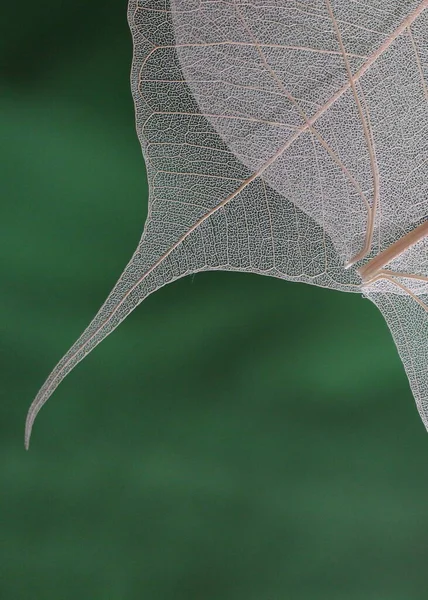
(282, 138)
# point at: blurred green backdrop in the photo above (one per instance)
(238, 437)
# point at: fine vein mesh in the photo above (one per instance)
(192, 171)
(408, 323)
(266, 66)
(268, 129)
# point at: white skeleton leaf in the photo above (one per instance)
(286, 138)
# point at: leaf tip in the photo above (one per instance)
(27, 435)
(31, 416)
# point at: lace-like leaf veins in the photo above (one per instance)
(287, 139)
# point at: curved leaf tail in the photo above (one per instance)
(137, 281)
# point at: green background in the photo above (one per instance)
(238, 437)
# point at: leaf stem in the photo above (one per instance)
(372, 268)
